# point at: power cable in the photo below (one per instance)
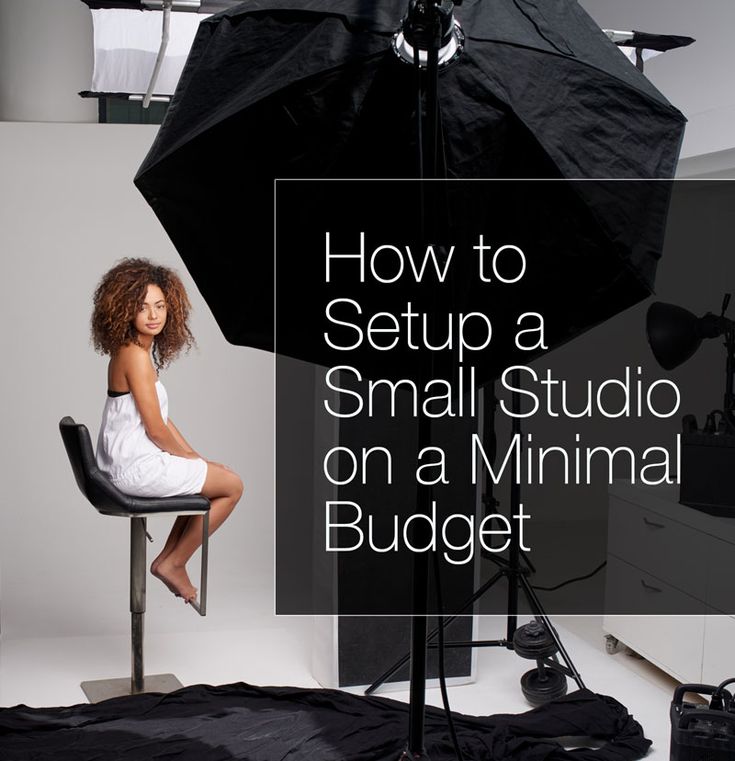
(442, 674)
(571, 581)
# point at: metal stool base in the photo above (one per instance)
(104, 689)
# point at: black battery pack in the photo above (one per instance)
(701, 732)
(708, 472)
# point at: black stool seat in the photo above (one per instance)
(103, 494)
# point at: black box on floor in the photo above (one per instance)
(708, 472)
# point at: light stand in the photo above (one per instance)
(427, 29)
(675, 335)
(537, 641)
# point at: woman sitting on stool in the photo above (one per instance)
(140, 320)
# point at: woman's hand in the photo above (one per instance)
(190, 453)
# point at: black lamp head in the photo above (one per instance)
(674, 333)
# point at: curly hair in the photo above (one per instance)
(117, 300)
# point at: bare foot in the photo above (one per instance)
(154, 570)
(175, 578)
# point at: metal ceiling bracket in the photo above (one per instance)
(177, 5)
(167, 6)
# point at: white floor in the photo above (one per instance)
(277, 651)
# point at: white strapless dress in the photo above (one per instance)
(133, 462)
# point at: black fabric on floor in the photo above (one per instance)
(240, 721)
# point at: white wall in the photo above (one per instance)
(46, 58)
(68, 211)
(698, 79)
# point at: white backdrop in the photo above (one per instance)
(68, 211)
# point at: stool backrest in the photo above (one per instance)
(94, 484)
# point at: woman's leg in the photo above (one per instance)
(223, 488)
(174, 535)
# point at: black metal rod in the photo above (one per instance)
(417, 706)
(474, 643)
(137, 602)
(560, 667)
(515, 502)
(200, 606)
(729, 405)
(417, 692)
(432, 111)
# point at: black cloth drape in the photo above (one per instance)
(240, 721)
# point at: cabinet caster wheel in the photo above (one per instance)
(612, 644)
(540, 685)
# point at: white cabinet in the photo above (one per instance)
(664, 557)
(719, 653)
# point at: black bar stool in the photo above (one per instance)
(109, 500)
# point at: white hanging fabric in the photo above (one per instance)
(126, 43)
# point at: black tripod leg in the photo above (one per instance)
(538, 611)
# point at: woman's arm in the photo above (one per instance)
(177, 435)
(141, 379)
(184, 443)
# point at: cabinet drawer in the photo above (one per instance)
(672, 642)
(631, 591)
(670, 551)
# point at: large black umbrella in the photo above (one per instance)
(311, 88)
